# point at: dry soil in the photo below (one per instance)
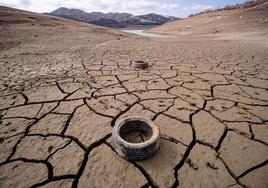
(64, 84)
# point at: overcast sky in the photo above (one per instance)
(179, 8)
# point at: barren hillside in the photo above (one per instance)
(32, 27)
(250, 21)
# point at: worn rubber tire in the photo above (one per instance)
(140, 64)
(135, 151)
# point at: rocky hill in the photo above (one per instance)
(111, 19)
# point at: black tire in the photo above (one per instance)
(140, 64)
(135, 151)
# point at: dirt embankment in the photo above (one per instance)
(244, 22)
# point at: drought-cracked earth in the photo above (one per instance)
(59, 102)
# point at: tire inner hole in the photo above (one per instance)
(135, 131)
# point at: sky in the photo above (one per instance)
(179, 8)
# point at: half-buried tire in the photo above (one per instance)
(135, 138)
(140, 64)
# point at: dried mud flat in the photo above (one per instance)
(64, 84)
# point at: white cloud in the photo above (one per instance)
(129, 6)
(133, 6)
(198, 7)
(170, 6)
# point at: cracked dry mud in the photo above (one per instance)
(62, 92)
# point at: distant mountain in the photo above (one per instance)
(107, 23)
(149, 19)
(118, 20)
(120, 17)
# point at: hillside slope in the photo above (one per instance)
(243, 19)
(28, 27)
